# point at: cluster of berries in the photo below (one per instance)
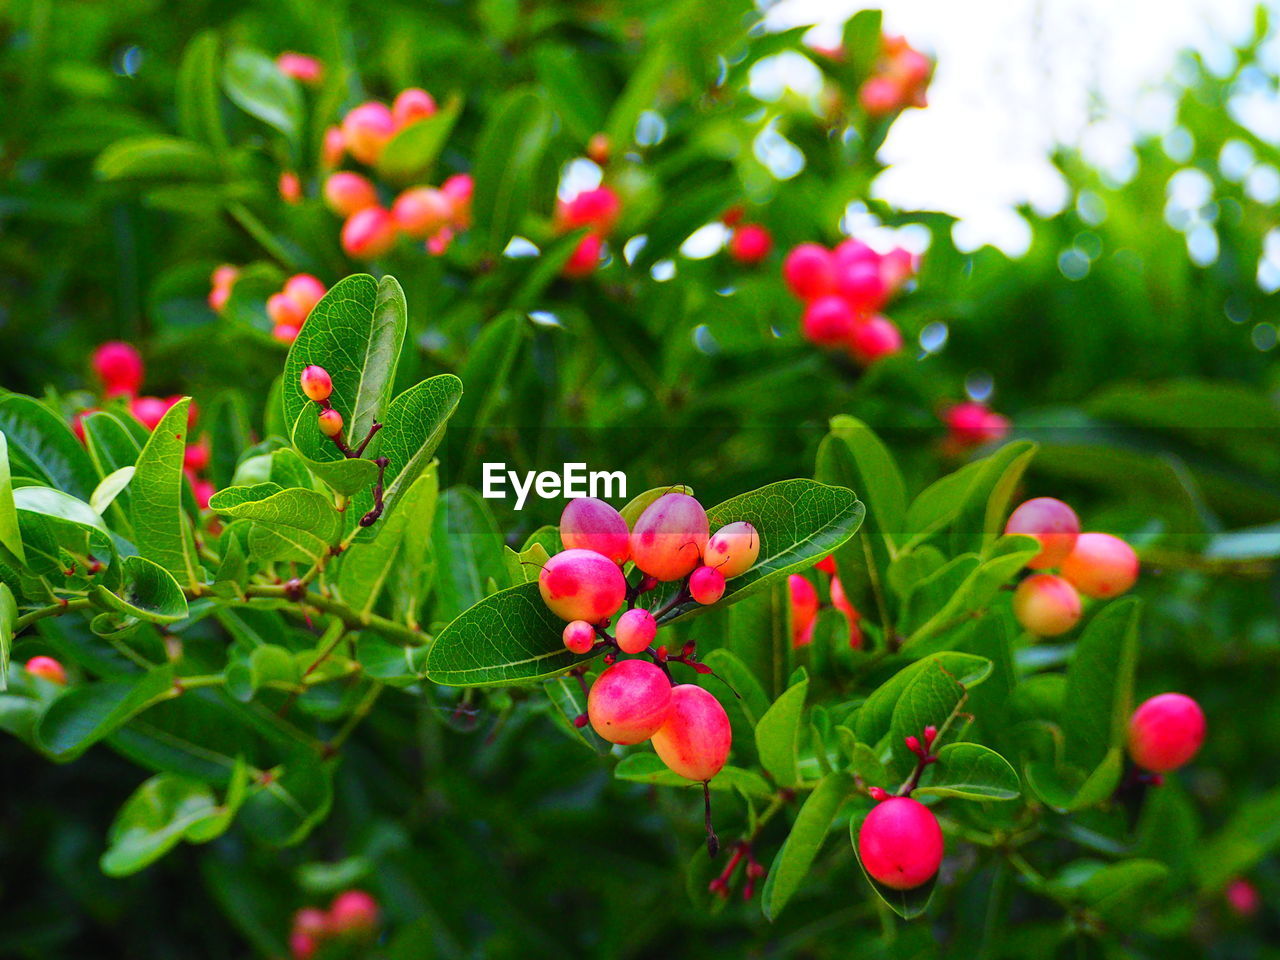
(900, 79)
(843, 290)
(352, 915)
(750, 243)
(598, 210)
(805, 605)
(1095, 564)
(287, 309)
(119, 367)
(424, 213)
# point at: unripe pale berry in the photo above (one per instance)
(148, 410)
(286, 333)
(421, 211)
(733, 549)
(330, 422)
(1046, 605)
(304, 290)
(582, 585)
(706, 585)
(629, 701)
(1165, 732)
(353, 911)
(972, 424)
(579, 636)
(669, 537)
(695, 738)
(412, 105)
(47, 668)
(316, 383)
(290, 187)
(335, 145)
(311, 921)
(635, 631)
(828, 321)
(750, 244)
(874, 338)
(284, 311)
(1051, 522)
(804, 609)
(1101, 565)
(589, 523)
(459, 189)
(119, 367)
(369, 233)
(224, 275)
(301, 67)
(585, 257)
(346, 193)
(367, 129)
(900, 843)
(809, 271)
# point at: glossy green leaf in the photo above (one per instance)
(798, 851)
(282, 810)
(409, 156)
(876, 714)
(157, 158)
(1100, 683)
(750, 696)
(648, 768)
(778, 734)
(368, 565)
(199, 109)
(42, 447)
(10, 537)
(83, 715)
(112, 447)
(972, 772)
(508, 155)
(112, 485)
(8, 623)
(293, 509)
(257, 86)
(413, 428)
(983, 509)
(149, 593)
(162, 528)
(466, 539)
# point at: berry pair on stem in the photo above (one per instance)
(318, 387)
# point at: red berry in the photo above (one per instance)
(346, 193)
(598, 209)
(369, 233)
(827, 564)
(1046, 605)
(804, 609)
(412, 105)
(750, 244)
(670, 536)
(302, 946)
(629, 701)
(119, 367)
(330, 422)
(860, 284)
(582, 585)
(422, 211)
(841, 602)
(353, 911)
(301, 67)
(588, 523)
(733, 549)
(367, 129)
(635, 631)
(196, 456)
(900, 843)
(1101, 565)
(579, 636)
(585, 257)
(873, 339)
(972, 424)
(311, 921)
(694, 740)
(149, 410)
(1165, 732)
(316, 383)
(809, 271)
(47, 668)
(896, 267)
(304, 290)
(706, 585)
(1051, 522)
(1243, 898)
(202, 490)
(828, 321)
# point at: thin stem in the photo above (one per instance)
(53, 610)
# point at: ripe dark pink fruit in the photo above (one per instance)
(1046, 605)
(973, 424)
(828, 321)
(47, 668)
(369, 233)
(809, 271)
(1165, 732)
(804, 609)
(330, 422)
(412, 105)
(346, 193)
(860, 284)
(149, 410)
(367, 129)
(874, 338)
(733, 549)
(353, 911)
(1051, 522)
(900, 843)
(589, 523)
(635, 631)
(1101, 565)
(670, 536)
(119, 367)
(316, 383)
(582, 585)
(597, 208)
(1243, 898)
(750, 244)
(841, 602)
(629, 701)
(579, 636)
(695, 739)
(706, 585)
(302, 946)
(421, 211)
(585, 257)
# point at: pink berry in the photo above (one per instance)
(880, 96)
(582, 585)
(860, 284)
(119, 367)
(1101, 565)
(367, 129)
(369, 233)
(353, 911)
(196, 456)
(695, 738)
(750, 244)
(316, 383)
(311, 921)
(47, 668)
(412, 105)
(840, 601)
(224, 275)
(459, 189)
(286, 333)
(1046, 605)
(202, 490)
(706, 585)
(669, 537)
(809, 271)
(284, 311)
(290, 187)
(972, 424)
(440, 241)
(301, 67)
(585, 257)
(1242, 897)
(733, 549)
(873, 339)
(828, 321)
(421, 211)
(1051, 522)
(302, 946)
(333, 148)
(896, 267)
(635, 631)
(579, 636)
(827, 564)
(330, 422)
(304, 290)
(1165, 732)
(598, 208)
(588, 523)
(149, 410)
(900, 843)
(629, 701)
(346, 193)
(804, 609)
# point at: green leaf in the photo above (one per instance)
(282, 810)
(930, 699)
(640, 94)
(466, 539)
(875, 477)
(199, 113)
(980, 586)
(907, 904)
(984, 507)
(648, 768)
(1119, 890)
(105, 493)
(42, 447)
(83, 715)
(162, 528)
(267, 665)
(565, 74)
(157, 158)
(751, 698)
(509, 155)
(1100, 683)
(112, 447)
(970, 771)
(294, 509)
(409, 156)
(255, 84)
(8, 623)
(149, 593)
(10, 537)
(412, 430)
(368, 565)
(488, 366)
(638, 505)
(876, 714)
(778, 734)
(1248, 837)
(798, 851)
(568, 703)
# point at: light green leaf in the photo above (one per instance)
(149, 593)
(778, 734)
(971, 771)
(509, 156)
(648, 768)
(801, 847)
(367, 565)
(162, 528)
(256, 85)
(105, 493)
(10, 537)
(8, 622)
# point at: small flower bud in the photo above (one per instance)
(877, 793)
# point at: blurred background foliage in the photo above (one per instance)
(1133, 340)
